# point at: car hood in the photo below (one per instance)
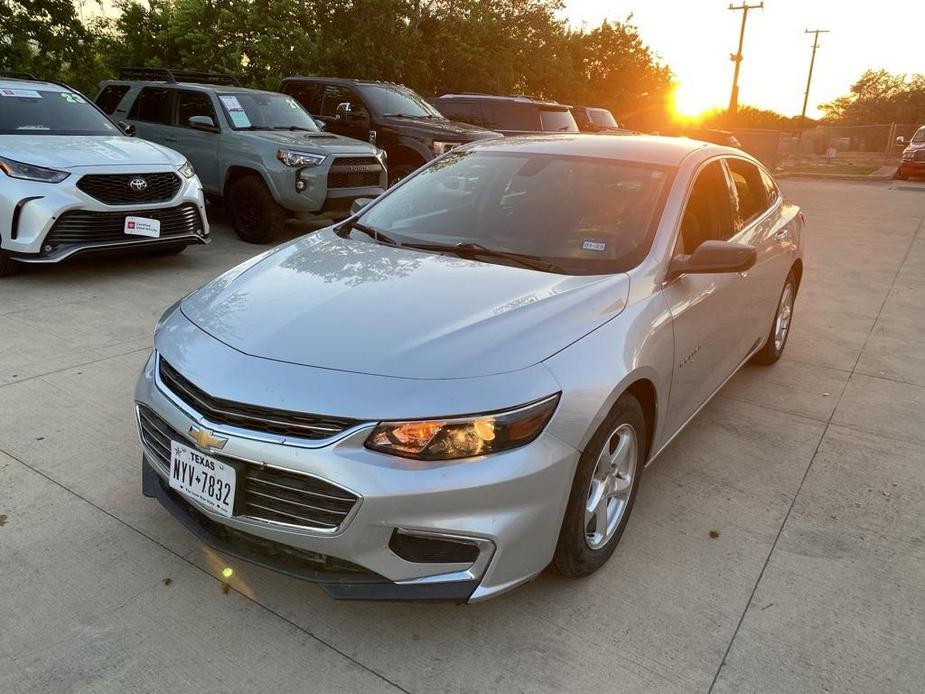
(436, 128)
(354, 305)
(68, 151)
(313, 141)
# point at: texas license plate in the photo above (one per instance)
(205, 479)
(142, 226)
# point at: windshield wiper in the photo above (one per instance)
(291, 127)
(470, 251)
(372, 233)
(401, 115)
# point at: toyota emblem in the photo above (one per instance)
(138, 184)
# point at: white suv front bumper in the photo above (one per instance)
(32, 210)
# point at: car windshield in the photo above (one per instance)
(558, 121)
(266, 111)
(579, 215)
(28, 111)
(392, 100)
(602, 118)
(919, 136)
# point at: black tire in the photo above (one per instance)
(899, 176)
(255, 215)
(575, 556)
(7, 265)
(772, 351)
(396, 173)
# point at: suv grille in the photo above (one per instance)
(82, 226)
(354, 172)
(251, 417)
(262, 493)
(114, 189)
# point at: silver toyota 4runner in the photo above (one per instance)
(259, 151)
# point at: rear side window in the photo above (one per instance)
(108, 99)
(511, 117)
(556, 121)
(152, 105)
(191, 104)
(750, 192)
(306, 93)
(770, 188)
(463, 111)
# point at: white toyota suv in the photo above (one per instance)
(73, 182)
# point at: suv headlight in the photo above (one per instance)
(291, 158)
(30, 172)
(463, 437)
(439, 148)
(186, 169)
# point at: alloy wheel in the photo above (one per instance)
(611, 486)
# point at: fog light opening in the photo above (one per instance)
(421, 549)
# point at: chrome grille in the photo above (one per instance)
(250, 417)
(115, 189)
(262, 493)
(82, 226)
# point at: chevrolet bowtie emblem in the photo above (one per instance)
(206, 439)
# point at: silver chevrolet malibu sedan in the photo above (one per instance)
(463, 382)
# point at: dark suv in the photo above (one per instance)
(390, 116)
(509, 115)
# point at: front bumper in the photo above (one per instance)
(327, 188)
(510, 505)
(910, 167)
(37, 209)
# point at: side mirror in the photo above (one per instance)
(348, 116)
(127, 128)
(320, 123)
(359, 204)
(900, 140)
(714, 257)
(202, 123)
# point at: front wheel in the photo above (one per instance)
(603, 491)
(900, 176)
(780, 326)
(255, 215)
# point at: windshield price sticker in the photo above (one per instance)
(21, 93)
(72, 98)
(594, 246)
(239, 119)
(231, 103)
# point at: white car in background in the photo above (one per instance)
(73, 182)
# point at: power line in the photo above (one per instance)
(812, 62)
(737, 56)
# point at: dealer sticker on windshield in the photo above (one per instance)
(598, 246)
(21, 93)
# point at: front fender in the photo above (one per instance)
(597, 369)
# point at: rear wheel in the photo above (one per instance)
(255, 215)
(780, 326)
(603, 491)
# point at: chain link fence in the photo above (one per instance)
(842, 149)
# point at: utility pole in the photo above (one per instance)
(812, 62)
(737, 57)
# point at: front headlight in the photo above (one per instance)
(463, 437)
(186, 170)
(290, 158)
(30, 172)
(439, 148)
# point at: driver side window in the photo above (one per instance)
(334, 95)
(708, 214)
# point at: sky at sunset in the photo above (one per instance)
(695, 38)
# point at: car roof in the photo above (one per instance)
(343, 81)
(647, 149)
(508, 98)
(15, 83)
(196, 86)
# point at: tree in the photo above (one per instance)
(879, 97)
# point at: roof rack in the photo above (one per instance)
(19, 76)
(521, 97)
(163, 74)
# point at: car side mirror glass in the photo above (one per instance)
(900, 140)
(201, 122)
(359, 204)
(127, 128)
(320, 123)
(714, 257)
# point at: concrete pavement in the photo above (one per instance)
(811, 471)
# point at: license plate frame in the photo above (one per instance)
(197, 476)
